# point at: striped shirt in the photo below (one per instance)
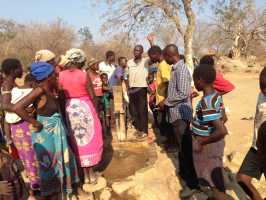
(179, 90)
(208, 109)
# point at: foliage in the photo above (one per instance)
(22, 41)
(239, 24)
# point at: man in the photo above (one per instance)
(108, 65)
(162, 80)
(180, 109)
(137, 74)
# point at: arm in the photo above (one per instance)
(6, 96)
(20, 107)
(6, 188)
(219, 133)
(150, 39)
(7, 132)
(90, 86)
(179, 88)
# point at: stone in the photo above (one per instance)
(106, 194)
(123, 186)
(101, 184)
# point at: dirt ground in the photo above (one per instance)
(241, 104)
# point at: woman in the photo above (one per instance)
(20, 131)
(45, 55)
(57, 166)
(95, 78)
(86, 130)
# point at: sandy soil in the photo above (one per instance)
(241, 103)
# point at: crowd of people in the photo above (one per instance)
(57, 121)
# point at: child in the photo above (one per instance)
(152, 86)
(152, 97)
(208, 132)
(220, 84)
(250, 167)
(107, 95)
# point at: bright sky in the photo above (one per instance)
(77, 13)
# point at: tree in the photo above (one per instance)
(135, 16)
(24, 40)
(240, 23)
(7, 29)
(85, 35)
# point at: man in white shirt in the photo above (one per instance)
(108, 65)
(137, 76)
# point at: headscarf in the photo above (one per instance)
(63, 61)
(41, 70)
(75, 56)
(90, 63)
(44, 55)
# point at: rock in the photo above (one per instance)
(105, 194)
(155, 190)
(123, 186)
(231, 156)
(101, 184)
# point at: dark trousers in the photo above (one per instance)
(166, 128)
(139, 109)
(184, 140)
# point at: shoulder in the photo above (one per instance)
(7, 86)
(146, 61)
(213, 101)
(102, 65)
(130, 62)
(164, 64)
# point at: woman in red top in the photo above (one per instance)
(95, 78)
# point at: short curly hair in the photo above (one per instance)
(206, 72)
(9, 65)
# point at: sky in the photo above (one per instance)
(77, 13)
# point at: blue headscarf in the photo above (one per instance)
(41, 70)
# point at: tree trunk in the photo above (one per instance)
(188, 36)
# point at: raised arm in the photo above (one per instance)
(151, 38)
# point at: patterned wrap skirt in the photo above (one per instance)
(57, 164)
(21, 136)
(85, 131)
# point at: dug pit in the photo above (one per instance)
(121, 160)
